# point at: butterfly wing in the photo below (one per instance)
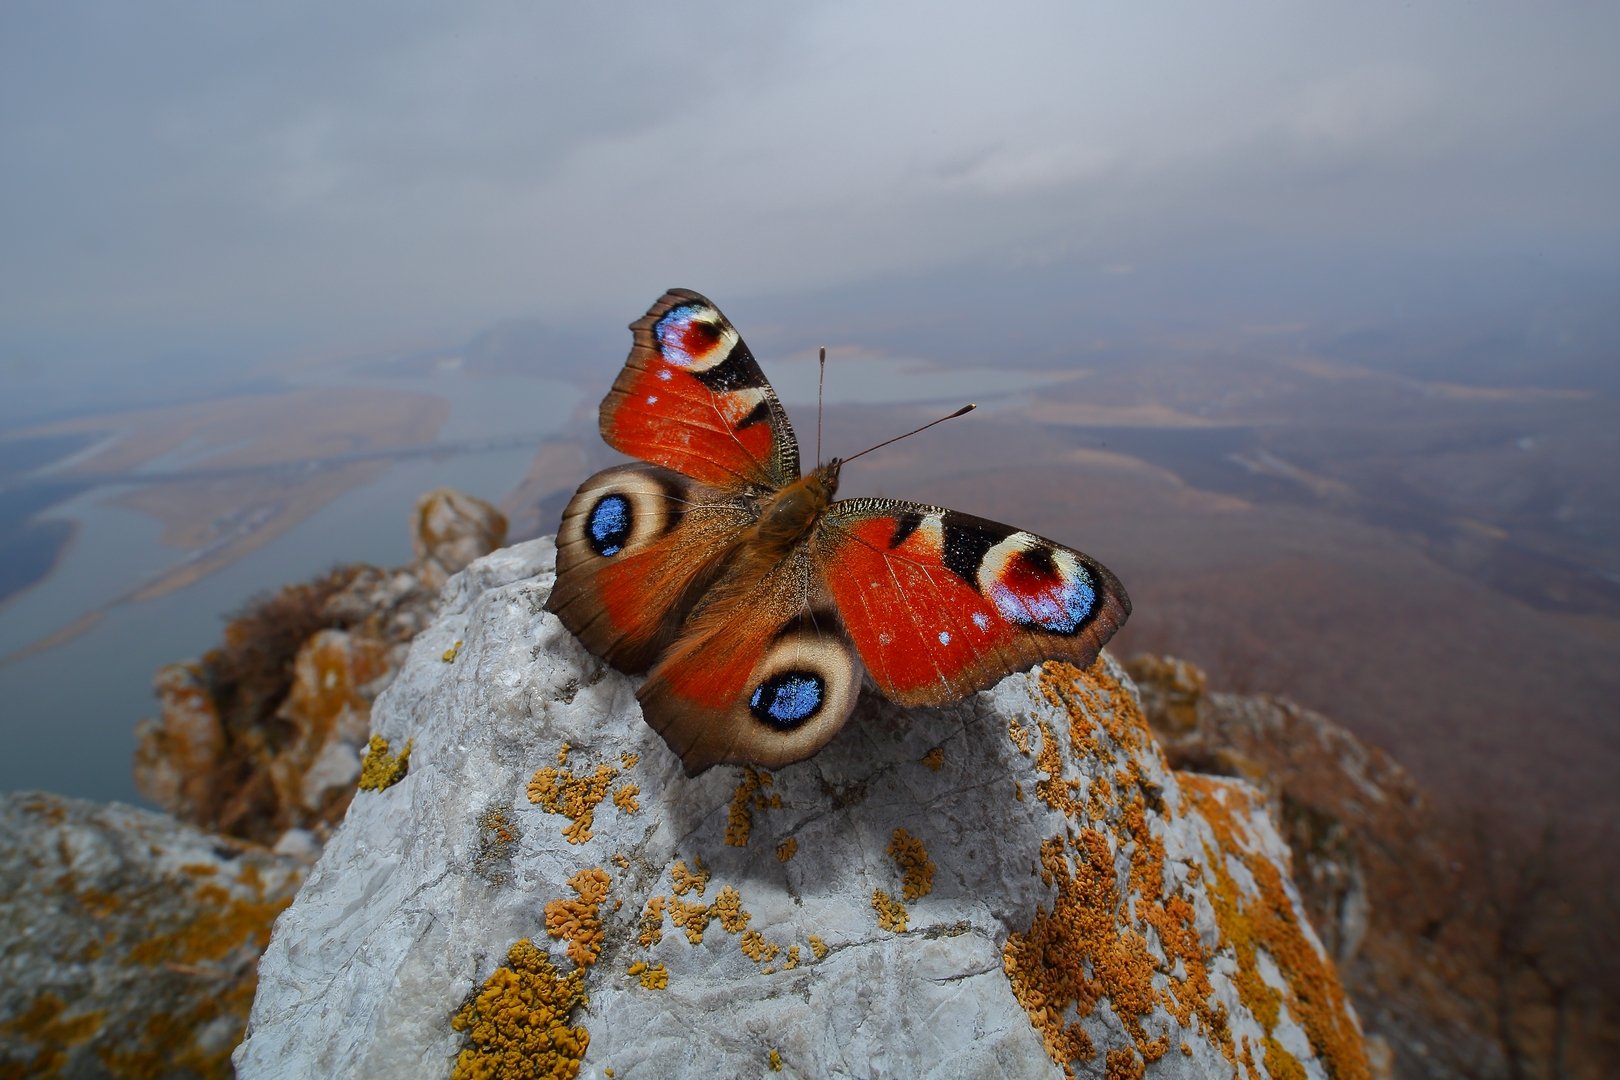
(636, 542)
(762, 672)
(692, 398)
(941, 603)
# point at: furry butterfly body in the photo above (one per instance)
(758, 604)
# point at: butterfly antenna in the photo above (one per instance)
(964, 410)
(821, 381)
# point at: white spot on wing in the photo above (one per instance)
(981, 620)
(652, 399)
(944, 637)
(664, 373)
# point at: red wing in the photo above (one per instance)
(941, 604)
(692, 398)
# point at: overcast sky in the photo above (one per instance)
(234, 177)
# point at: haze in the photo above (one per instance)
(190, 190)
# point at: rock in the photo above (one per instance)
(128, 942)
(451, 531)
(266, 733)
(1013, 886)
(1371, 857)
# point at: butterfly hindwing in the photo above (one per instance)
(941, 603)
(692, 398)
(635, 544)
(762, 672)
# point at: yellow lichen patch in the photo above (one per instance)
(891, 913)
(379, 769)
(935, 758)
(621, 860)
(818, 946)
(562, 754)
(46, 1025)
(729, 910)
(1124, 1065)
(1018, 791)
(579, 921)
(685, 880)
(792, 960)
(693, 918)
(652, 976)
(1018, 734)
(625, 798)
(449, 656)
(787, 849)
(1267, 921)
(518, 1023)
(574, 797)
(223, 923)
(629, 761)
(775, 1060)
(756, 948)
(652, 922)
(1054, 790)
(911, 857)
(745, 799)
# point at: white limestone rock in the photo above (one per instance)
(1067, 862)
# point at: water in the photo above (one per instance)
(69, 713)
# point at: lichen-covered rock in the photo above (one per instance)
(1376, 870)
(128, 942)
(266, 733)
(1014, 886)
(453, 529)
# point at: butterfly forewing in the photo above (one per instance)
(941, 603)
(692, 398)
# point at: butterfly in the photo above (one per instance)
(757, 604)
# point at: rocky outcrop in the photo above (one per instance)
(1376, 868)
(453, 529)
(263, 738)
(128, 942)
(1017, 885)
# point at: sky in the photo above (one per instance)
(199, 186)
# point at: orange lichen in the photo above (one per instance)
(728, 909)
(911, 857)
(652, 976)
(818, 946)
(518, 1023)
(379, 769)
(775, 1060)
(45, 1024)
(574, 797)
(891, 913)
(621, 860)
(1019, 736)
(449, 654)
(1267, 921)
(756, 948)
(652, 922)
(693, 918)
(787, 849)
(744, 800)
(629, 761)
(687, 879)
(625, 798)
(562, 754)
(935, 758)
(579, 921)
(792, 960)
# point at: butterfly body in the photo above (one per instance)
(756, 602)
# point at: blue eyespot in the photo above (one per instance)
(608, 526)
(787, 699)
(1061, 607)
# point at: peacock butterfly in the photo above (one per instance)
(753, 601)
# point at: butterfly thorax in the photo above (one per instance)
(790, 514)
